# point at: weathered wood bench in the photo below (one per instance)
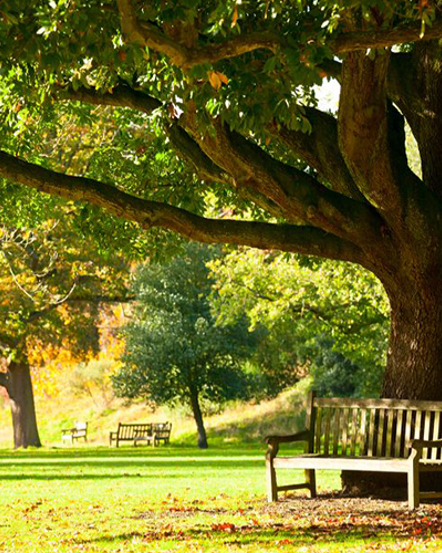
(150, 433)
(75, 433)
(380, 435)
(161, 432)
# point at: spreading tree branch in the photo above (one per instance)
(122, 95)
(287, 191)
(147, 34)
(320, 150)
(307, 240)
(186, 57)
(370, 40)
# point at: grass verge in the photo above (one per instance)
(133, 500)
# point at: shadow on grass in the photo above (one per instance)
(365, 527)
(106, 452)
(98, 464)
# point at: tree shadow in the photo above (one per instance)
(366, 526)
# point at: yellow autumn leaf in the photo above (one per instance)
(235, 16)
(214, 80)
(223, 78)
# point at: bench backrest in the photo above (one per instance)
(130, 431)
(81, 426)
(162, 429)
(372, 427)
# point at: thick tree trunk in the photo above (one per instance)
(414, 366)
(196, 410)
(24, 421)
(414, 371)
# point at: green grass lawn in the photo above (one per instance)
(135, 500)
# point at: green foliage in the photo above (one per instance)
(174, 348)
(301, 302)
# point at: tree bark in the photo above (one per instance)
(21, 397)
(414, 368)
(414, 371)
(196, 410)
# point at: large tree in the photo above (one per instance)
(229, 85)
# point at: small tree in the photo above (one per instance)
(174, 350)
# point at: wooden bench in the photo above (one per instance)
(141, 432)
(75, 433)
(380, 435)
(161, 432)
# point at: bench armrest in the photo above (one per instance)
(302, 436)
(274, 441)
(68, 431)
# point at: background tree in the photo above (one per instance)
(175, 353)
(229, 85)
(52, 286)
(329, 318)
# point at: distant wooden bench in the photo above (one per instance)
(380, 435)
(150, 433)
(75, 433)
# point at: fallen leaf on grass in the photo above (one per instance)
(225, 527)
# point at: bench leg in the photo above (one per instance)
(272, 490)
(413, 486)
(310, 476)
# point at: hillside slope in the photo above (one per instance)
(239, 422)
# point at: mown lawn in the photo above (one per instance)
(180, 499)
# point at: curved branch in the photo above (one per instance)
(364, 40)
(121, 96)
(149, 35)
(320, 150)
(185, 57)
(299, 195)
(190, 151)
(307, 240)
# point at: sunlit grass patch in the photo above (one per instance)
(174, 499)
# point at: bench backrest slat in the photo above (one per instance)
(318, 431)
(436, 434)
(336, 430)
(373, 427)
(371, 434)
(354, 430)
(327, 425)
(344, 440)
(398, 434)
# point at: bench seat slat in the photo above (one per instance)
(314, 461)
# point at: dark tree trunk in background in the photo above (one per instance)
(196, 410)
(21, 397)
